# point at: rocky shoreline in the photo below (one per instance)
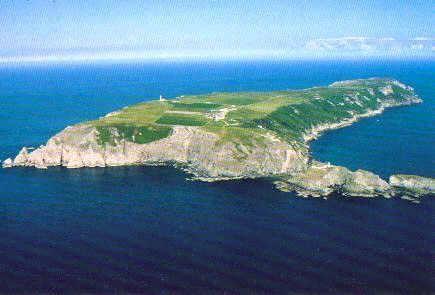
(317, 131)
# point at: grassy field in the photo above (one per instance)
(138, 134)
(182, 119)
(246, 116)
(194, 106)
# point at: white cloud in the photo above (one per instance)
(368, 45)
(352, 46)
(417, 46)
(345, 43)
(423, 39)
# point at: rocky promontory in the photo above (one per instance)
(238, 135)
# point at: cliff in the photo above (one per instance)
(234, 135)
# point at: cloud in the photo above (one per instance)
(346, 43)
(352, 47)
(417, 46)
(368, 45)
(423, 39)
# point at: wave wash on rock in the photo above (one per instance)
(238, 135)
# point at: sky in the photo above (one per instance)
(45, 30)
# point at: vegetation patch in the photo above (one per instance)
(238, 98)
(139, 114)
(138, 134)
(194, 107)
(237, 135)
(182, 119)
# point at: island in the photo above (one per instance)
(224, 136)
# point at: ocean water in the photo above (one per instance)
(147, 229)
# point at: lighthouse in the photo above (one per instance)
(161, 98)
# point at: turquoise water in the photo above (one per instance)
(139, 229)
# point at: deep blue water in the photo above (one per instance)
(147, 229)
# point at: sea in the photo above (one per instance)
(152, 230)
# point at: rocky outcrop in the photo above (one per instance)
(323, 180)
(412, 185)
(8, 163)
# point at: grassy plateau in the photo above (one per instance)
(243, 116)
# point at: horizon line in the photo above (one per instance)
(80, 59)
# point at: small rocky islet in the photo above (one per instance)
(223, 136)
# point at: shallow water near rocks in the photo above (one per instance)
(139, 229)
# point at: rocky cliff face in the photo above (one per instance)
(201, 154)
(197, 150)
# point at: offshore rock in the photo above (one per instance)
(413, 185)
(8, 163)
(323, 180)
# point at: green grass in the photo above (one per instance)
(138, 134)
(240, 98)
(182, 119)
(245, 136)
(143, 113)
(245, 114)
(194, 107)
(287, 114)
